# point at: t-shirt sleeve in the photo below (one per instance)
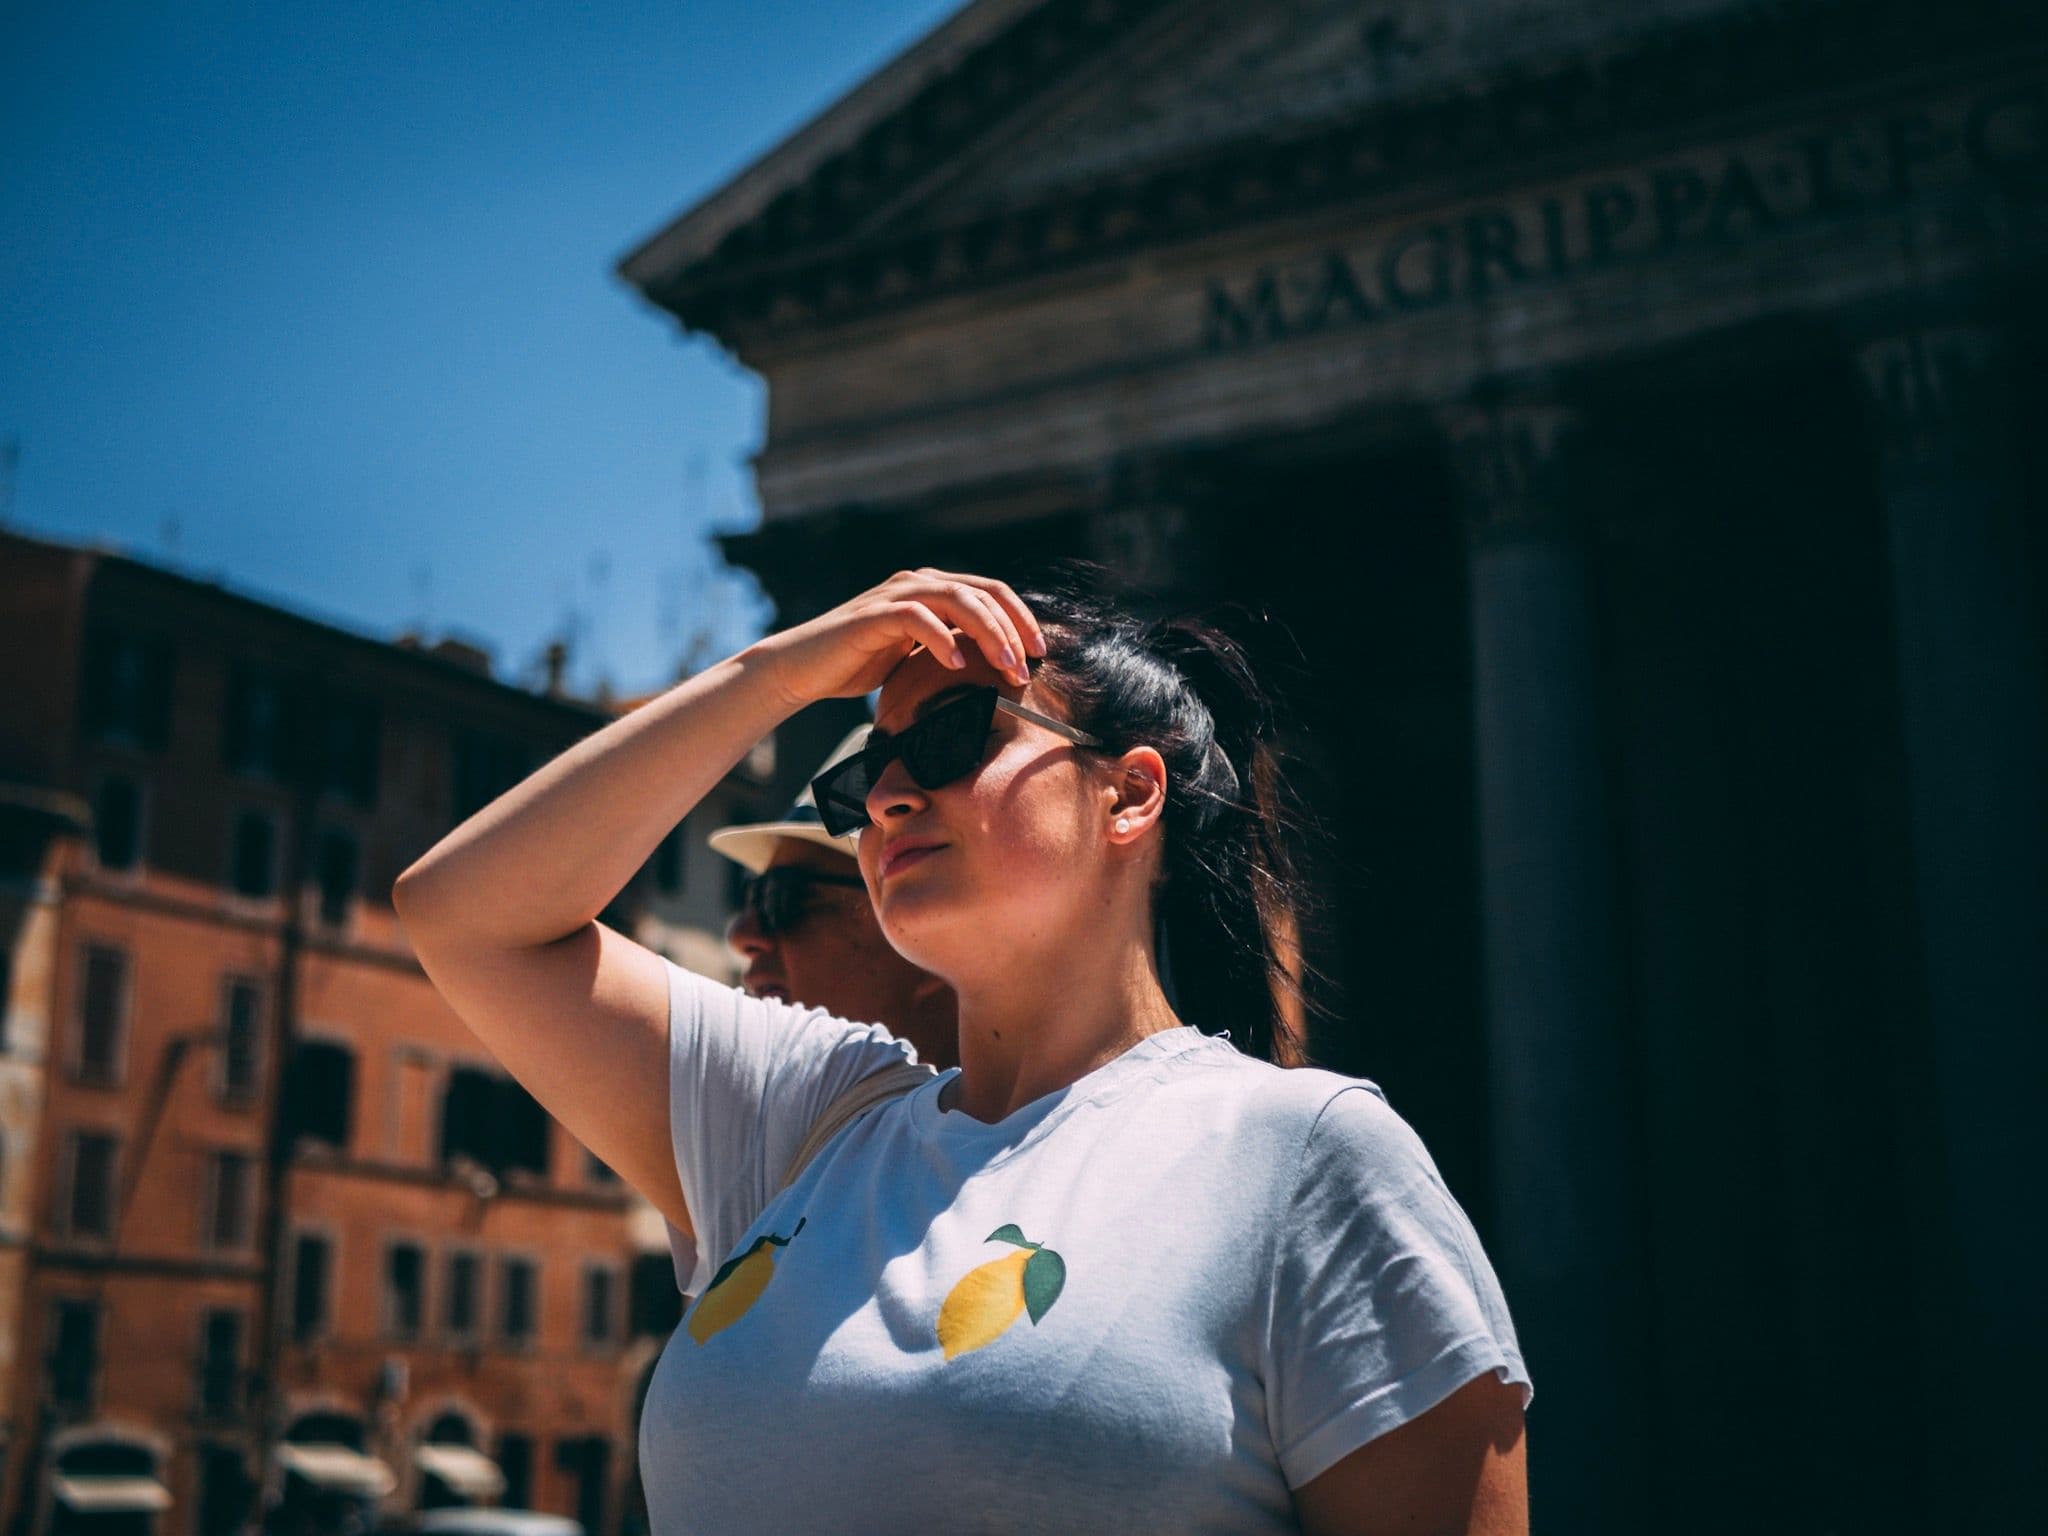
(682, 1252)
(748, 1077)
(1383, 1300)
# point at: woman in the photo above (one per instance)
(1112, 1272)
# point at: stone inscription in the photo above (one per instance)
(1716, 200)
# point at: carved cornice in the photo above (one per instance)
(805, 262)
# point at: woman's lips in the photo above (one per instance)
(908, 857)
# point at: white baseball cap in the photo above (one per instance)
(753, 843)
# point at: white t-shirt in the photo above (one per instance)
(1154, 1300)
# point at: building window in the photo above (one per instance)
(485, 767)
(600, 1301)
(459, 1296)
(75, 1356)
(515, 1460)
(349, 741)
(220, 1365)
(587, 1459)
(252, 736)
(128, 689)
(597, 1171)
(241, 1038)
(102, 1021)
(312, 1261)
(669, 865)
(319, 1093)
(6, 989)
(254, 861)
(494, 1122)
(225, 1488)
(404, 1290)
(518, 1301)
(229, 1207)
(117, 823)
(468, 1117)
(654, 1303)
(338, 862)
(89, 1204)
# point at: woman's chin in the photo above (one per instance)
(930, 935)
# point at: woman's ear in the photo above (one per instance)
(1137, 797)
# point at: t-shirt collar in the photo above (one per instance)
(957, 1127)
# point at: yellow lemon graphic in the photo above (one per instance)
(738, 1285)
(987, 1299)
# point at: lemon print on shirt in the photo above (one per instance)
(738, 1285)
(987, 1299)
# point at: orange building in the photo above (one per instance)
(278, 1239)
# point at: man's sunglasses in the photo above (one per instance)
(778, 898)
(945, 745)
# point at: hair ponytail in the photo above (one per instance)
(1231, 903)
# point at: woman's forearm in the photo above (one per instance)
(544, 858)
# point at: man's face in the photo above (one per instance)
(833, 956)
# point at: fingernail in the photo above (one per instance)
(958, 659)
(1009, 659)
(1037, 643)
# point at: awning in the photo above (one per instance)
(57, 804)
(469, 1473)
(337, 1468)
(91, 1495)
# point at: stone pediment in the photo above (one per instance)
(1013, 100)
(1213, 74)
(1204, 75)
(1033, 134)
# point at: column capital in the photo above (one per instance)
(1145, 543)
(1510, 459)
(1146, 526)
(1936, 391)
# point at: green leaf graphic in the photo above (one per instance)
(1009, 1232)
(737, 1259)
(1045, 1274)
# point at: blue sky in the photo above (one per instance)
(319, 300)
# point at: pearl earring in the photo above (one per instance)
(1123, 823)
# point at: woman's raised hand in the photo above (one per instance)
(849, 650)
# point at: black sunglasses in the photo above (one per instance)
(945, 745)
(779, 898)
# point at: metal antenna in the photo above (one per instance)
(423, 595)
(10, 460)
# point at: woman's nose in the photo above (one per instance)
(895, 793)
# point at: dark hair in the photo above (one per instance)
(1231, 903)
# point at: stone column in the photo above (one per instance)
(1969, 637)
(1569, 1251)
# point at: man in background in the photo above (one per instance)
(809, 936)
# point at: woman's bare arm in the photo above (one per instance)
(1460, 1469)
(502, 912)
